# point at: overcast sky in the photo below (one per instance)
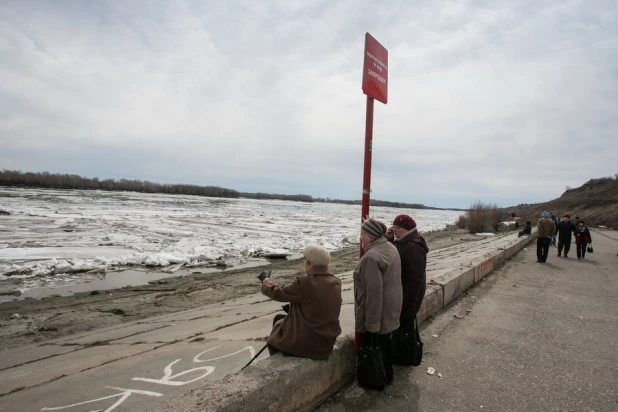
(505, 101)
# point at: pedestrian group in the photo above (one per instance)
(550, 227)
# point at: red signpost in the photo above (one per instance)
(375, 86)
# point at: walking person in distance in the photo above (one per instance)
(546, 228)
(582, 239)
(564, 230)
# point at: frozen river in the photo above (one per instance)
(68, 233)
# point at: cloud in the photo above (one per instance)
(502, 101)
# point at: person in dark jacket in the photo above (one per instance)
(311, 327)
(412, 250)
(582, 238)
(564, 230)
(527, 230)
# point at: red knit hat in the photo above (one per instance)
(404, 222)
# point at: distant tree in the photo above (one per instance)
(482, 217)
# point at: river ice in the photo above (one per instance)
(64, 232)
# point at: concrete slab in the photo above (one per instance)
(190, 366)
(85, 334)
(483, 268)
(213, 310)
(213, 326)
(118, 333)
(454, 283)
(13, 357)
(258, 328)
(45, 370)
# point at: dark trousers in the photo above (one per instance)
(581, 250)
(564, 243)
(386, 348)
(542, 249)
(413, 295)
(271, 349)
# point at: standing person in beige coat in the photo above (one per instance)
(311, 327)
(378, 294)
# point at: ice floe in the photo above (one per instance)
(77, 234)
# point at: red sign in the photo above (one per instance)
(375, 70)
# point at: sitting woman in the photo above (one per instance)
(310, 328)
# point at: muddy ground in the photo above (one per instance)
(42, 320)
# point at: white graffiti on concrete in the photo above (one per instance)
(167, 377)
(198, 360)
(124, 395)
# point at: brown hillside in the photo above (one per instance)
(596, 202)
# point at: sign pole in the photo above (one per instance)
(375, 86)
(367, 167)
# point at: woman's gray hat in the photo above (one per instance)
(373, 228)
(317, 255)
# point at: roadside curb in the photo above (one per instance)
(292, 384)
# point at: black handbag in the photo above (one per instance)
(407, 346)
(590, 249)
(370, 370)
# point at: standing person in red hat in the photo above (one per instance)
(412, 250)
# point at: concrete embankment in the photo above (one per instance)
(288, 384)
(190, 360)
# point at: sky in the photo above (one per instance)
(501, 101)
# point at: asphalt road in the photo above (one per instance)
(533, 337)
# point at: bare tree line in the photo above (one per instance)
(384, 203)
(296, 198)
(71, 181)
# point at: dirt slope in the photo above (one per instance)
(596, 202)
